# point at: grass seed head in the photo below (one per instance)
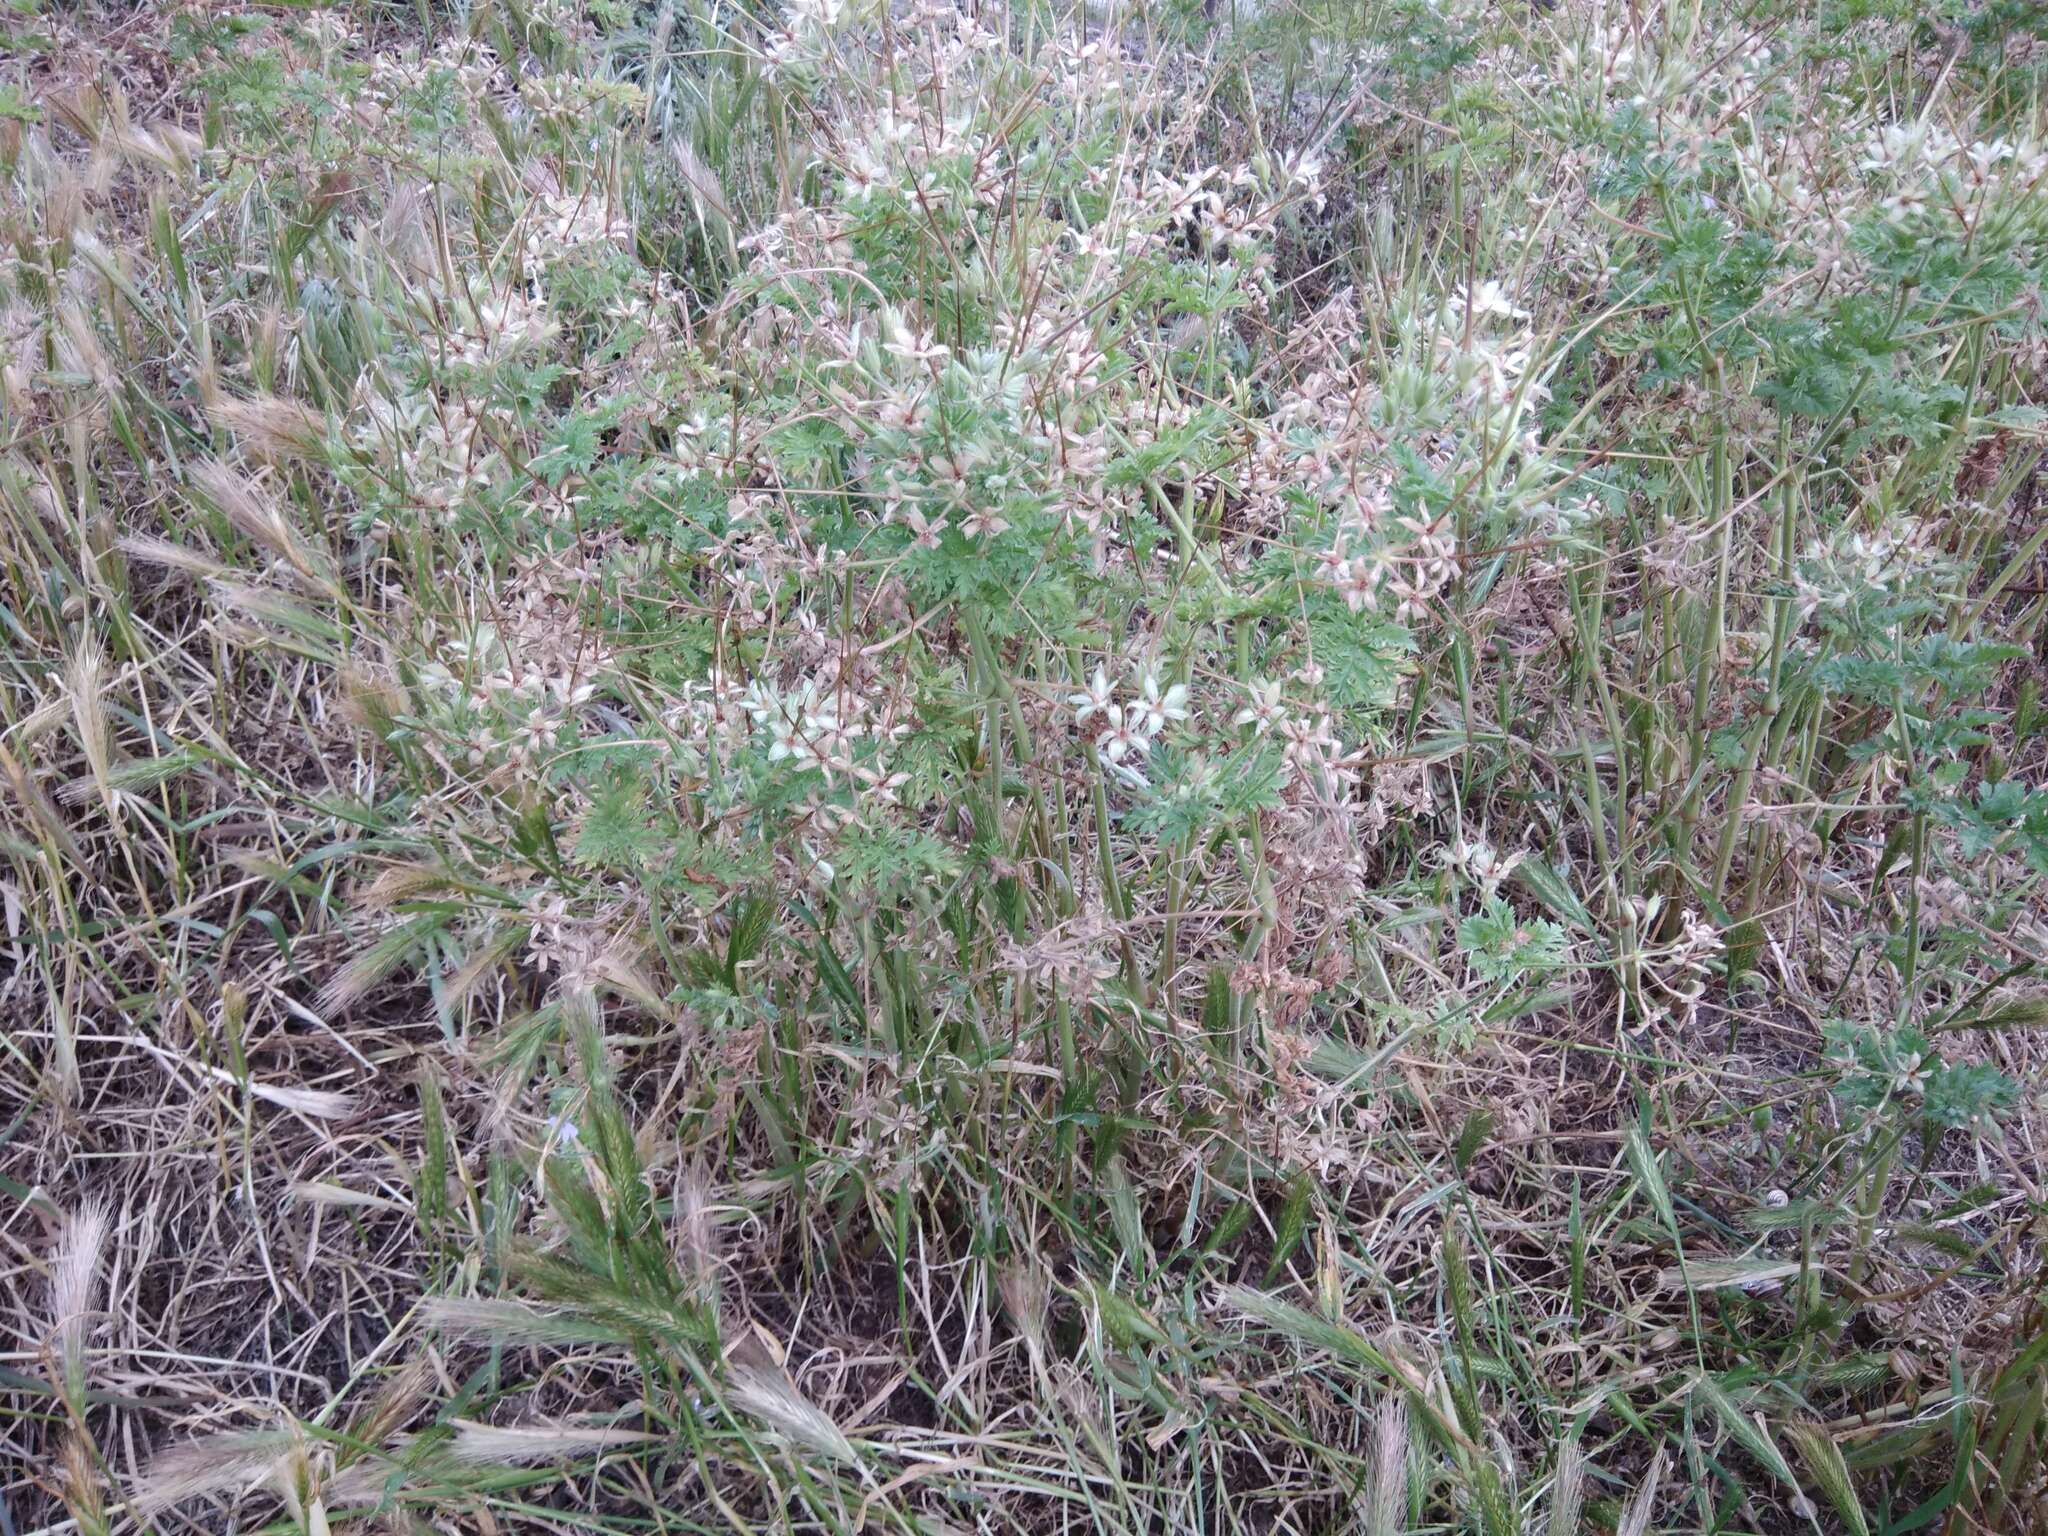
(75, 1274)
(1386, 1510)
(760, 1386)
(233, 1463)
(520, 1445)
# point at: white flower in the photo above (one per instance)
(1095, 700)
(981, 522)
(1898, 145)
(786, 740)
(909, 345)
(1357, 580)
(1307, 173)
(1265, 709)
(1488, 368)
(1985, 157)
(1411, 601)
(1906, 204)
(865, 176)
(925, 530)
(818, 13)
(1479, 861)
(1489, 298)
(1153, 709)
(1123, 738)
(781, 54)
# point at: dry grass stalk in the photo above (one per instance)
(1642, 1508)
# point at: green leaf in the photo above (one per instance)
(1746, 1431)
(1346, 1344)
(1541, 880)
(1122, 1200)
(1649, 1176)
(1363, 657)
(1293, 1222)
(838, 981)
(1503, 947)
(17, 106)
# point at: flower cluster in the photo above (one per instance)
(1132, 722)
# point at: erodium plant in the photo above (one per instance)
(1192, 768)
